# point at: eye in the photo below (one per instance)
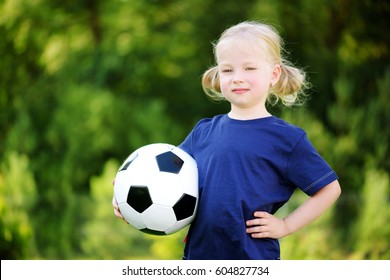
(250, 68)
(226, 70)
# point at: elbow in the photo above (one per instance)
(336, 189)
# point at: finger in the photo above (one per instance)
(118, 213)
(261, 214)
(257, 222)
(259, 232)
(260, 235)
(258, 229)
(114, 203)
(116, 210)
(116, 207)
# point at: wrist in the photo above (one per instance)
(288, 228)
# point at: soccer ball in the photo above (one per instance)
(156, 189)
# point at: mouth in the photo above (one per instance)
(240, 90)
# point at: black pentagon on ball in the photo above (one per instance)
(169, 162)
(185, 207)
(139, 198)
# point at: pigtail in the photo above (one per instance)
(210, 84)
(290, 87)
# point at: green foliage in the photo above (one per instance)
(18, 196)
(168, 247)
(84, 83)
(371, 233)
(317, 241)
(115, 232)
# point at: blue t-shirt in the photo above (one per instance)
(247, 166)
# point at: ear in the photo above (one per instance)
(277, 70)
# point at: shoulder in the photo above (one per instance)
(202, 128)
(215, 119)
(199, 133)
(288, 127)
(207, 123)
(286, 131)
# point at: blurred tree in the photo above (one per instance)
(371, 237)
(115, 233)
(18, 195)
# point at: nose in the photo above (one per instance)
(237, 81)
(238, 78)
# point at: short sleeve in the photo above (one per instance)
(307, 170)
(186, 145)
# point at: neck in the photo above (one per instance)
(242, 114)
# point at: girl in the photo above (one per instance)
(249, 161)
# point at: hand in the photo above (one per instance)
(265, 225)
(117, 211)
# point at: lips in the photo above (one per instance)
(240, 90)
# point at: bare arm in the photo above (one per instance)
(267, 225)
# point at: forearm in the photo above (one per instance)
(312, 208)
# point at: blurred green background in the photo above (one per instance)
(83, 83)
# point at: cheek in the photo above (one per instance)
(224, 83)
(262, 82)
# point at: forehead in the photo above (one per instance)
(239, 49)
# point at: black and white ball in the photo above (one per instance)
(156, 189)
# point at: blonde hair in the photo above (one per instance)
(290, 87)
